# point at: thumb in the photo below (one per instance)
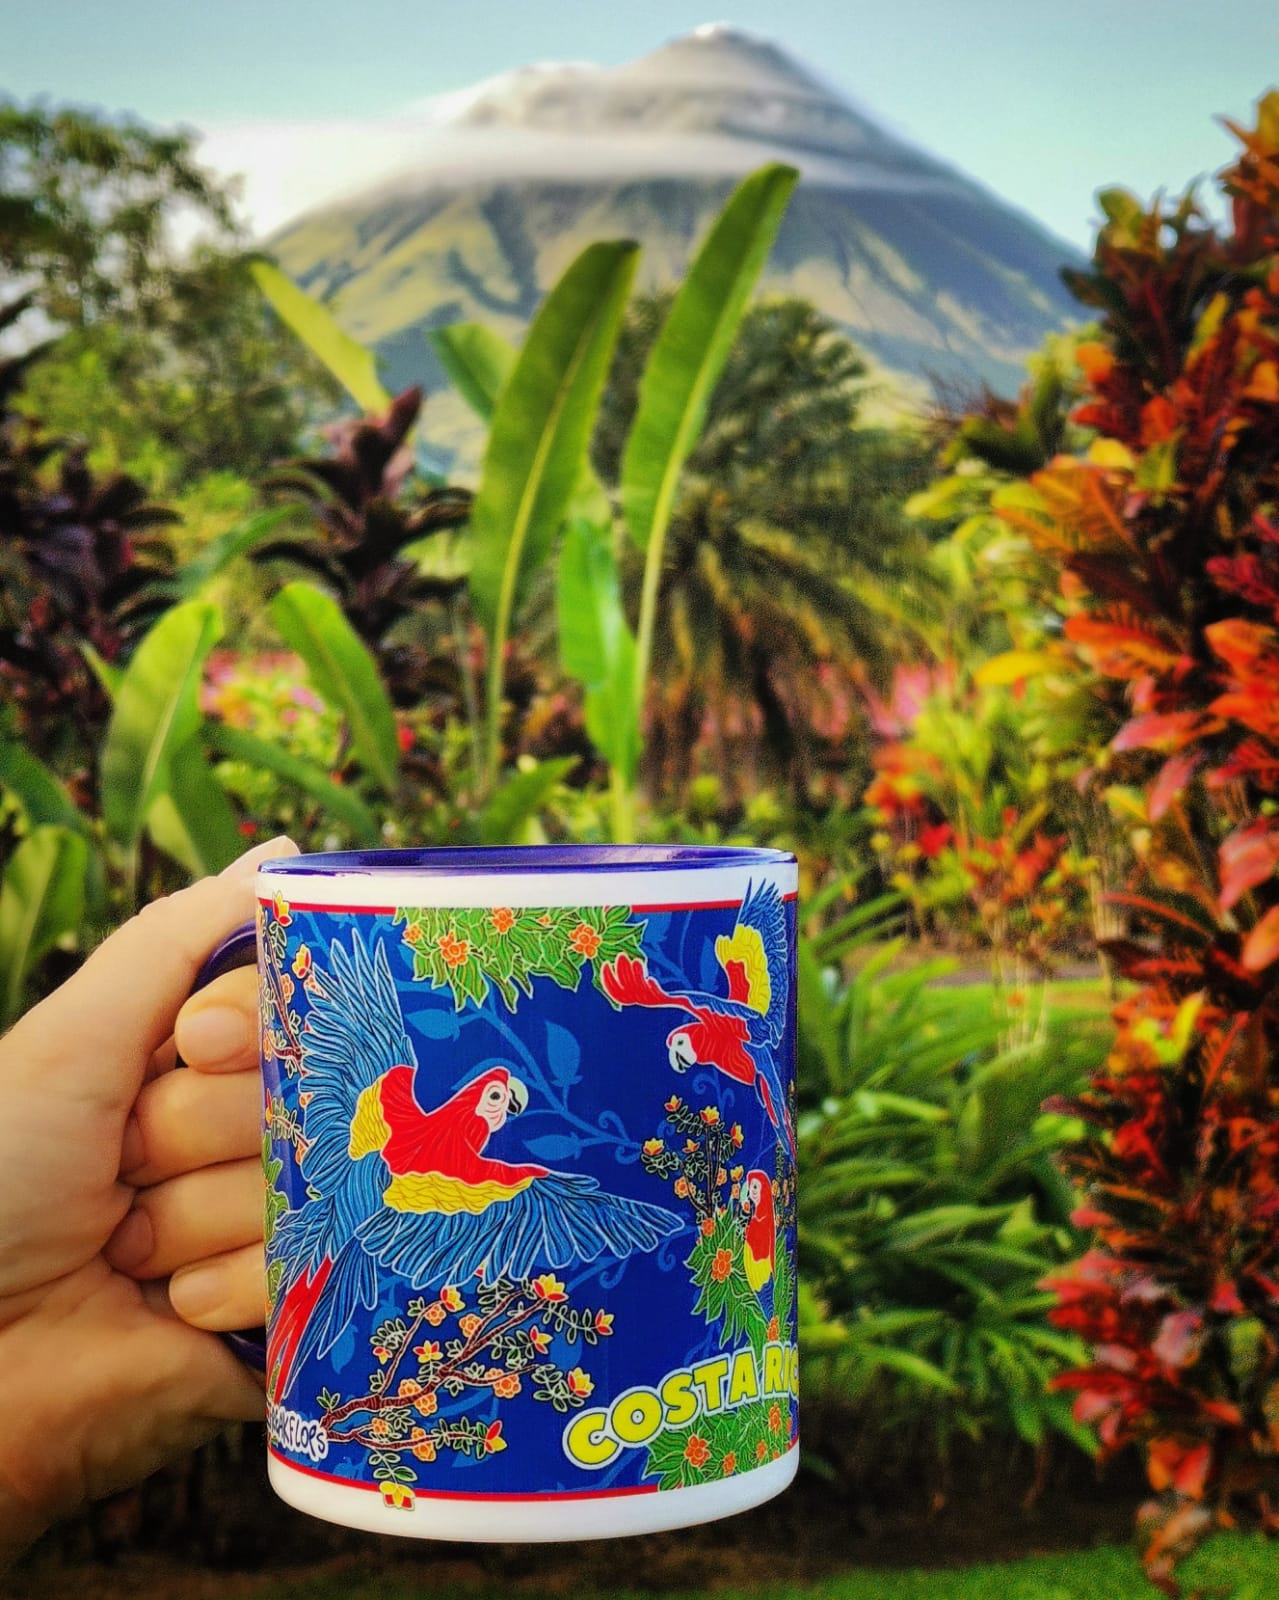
(121, 1005)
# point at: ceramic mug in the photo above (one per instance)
(530, 1186)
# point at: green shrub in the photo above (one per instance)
(931, 1207)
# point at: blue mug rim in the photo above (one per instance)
(467, 860)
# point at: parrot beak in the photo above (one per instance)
(518, 1097)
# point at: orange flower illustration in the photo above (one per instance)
(722, 1265)
(728, 1466)
(585, 940)
(426, 1403)
(408, 1388)
(681, 1187)
(710, 1115)
(456, 952)
(708, 1226)
(674, 1103)
(737, 1136)
(379, 1428)
(502, 919)
(697, 1452)
(761, 1451)
(774, 1330)
(425, 1451)
(549, 1287)
(413, 934)
(468, 1325)
(774, 1418)
(508, 1386)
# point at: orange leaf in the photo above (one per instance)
(1239, 643)
(1261, 947)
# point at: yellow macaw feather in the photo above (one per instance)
(759, 1269)
(745, 945)
(369, 1128)
(433, 1191)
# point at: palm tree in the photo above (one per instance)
(789, 564)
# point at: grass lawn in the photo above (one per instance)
(1228, 1568)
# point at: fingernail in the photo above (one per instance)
(207, 1035)
(132, 1242)
(131, 1147)
(196, 1291)
(246, 865)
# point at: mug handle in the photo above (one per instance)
(238, 949)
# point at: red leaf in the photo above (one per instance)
(1225, 1300)
(1247, 857)
(1261, 946)
(1167, 731)
(1170, 780)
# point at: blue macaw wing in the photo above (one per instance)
(354, 1033)
(764, 910)
(559, 1218)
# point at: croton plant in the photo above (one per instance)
(1167, 535)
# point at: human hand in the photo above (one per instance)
(130, 1209)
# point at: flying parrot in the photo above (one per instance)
(396, 1186)
(738, 1033)
(760, 1247)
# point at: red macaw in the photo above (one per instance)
(395, 1186)
(740, 1033)
(760, 1249)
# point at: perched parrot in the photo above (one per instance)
(738, 1033)
(392, 1185)
(760, 1248)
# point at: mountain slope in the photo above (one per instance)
(930, 274)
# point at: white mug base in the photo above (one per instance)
(498, 1520)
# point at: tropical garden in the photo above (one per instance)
(1005, 680)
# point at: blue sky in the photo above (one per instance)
(1044, 101)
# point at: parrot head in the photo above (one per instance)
(683, 1046)
(757, 1194)
(498, 1094)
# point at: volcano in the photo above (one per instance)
(493, 193)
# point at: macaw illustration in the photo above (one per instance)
(760, 1246)
(738, 1033)
(395, 1186)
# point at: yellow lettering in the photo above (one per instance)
(744, 1384)
(679, 1399)
(636, 1416)
(774, 1369)
(586, 1442)
(794, 1371)
(710, 1375)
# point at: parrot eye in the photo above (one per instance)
(493, 1094)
